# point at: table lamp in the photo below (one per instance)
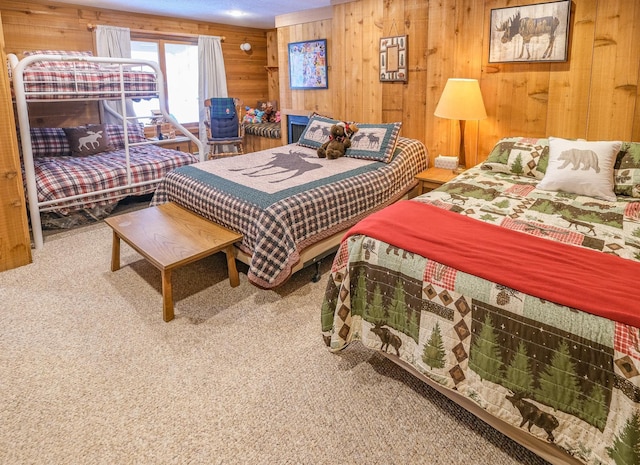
(461, 99)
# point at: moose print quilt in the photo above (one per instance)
(286, 199)
(557, 359)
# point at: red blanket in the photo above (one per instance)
(595, 282)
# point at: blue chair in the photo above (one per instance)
(224, 130)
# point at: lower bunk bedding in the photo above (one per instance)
(61, 177)
(518, 303)
(287, 200)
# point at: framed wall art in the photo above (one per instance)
(531, 33)
(393, 59)
(308, 65)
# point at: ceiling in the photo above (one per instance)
(250, 13)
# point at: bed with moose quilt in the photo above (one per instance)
(513, 289)
(286, 200)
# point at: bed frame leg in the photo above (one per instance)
(317, 275)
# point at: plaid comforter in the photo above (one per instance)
(277, 225)
(64, 176)
(87, 84)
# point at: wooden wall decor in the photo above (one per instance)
(393, 59)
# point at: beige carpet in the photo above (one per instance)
(90, 373)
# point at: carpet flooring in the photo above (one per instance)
(91, 374)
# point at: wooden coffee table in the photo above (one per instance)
(170, 236)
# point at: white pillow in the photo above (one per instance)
(581, 167)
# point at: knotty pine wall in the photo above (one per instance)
(593, 96)
(15, 247)
(32, 25)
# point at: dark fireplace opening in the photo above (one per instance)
(296, 125)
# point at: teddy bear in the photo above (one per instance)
(269, 113)
(339, 141)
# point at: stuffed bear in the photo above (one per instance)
(339, 141)
(269, 113)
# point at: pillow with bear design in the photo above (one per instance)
(581, 167)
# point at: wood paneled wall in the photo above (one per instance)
(594, 95)
(36, 24)
(15, 246)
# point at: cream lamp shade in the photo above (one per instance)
(461, 99)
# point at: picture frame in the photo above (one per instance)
(308, 65)
(393, 59)
(530, 33)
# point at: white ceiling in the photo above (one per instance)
(251, 13)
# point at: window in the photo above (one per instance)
(178, 61)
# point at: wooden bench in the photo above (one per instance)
(170, 236)
(261, 136)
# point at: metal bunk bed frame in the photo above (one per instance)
(22, 100)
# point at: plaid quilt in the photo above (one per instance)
(60, 177)
(277, 221)
(90, 83)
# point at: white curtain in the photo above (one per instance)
(114, 42)
(212, 78)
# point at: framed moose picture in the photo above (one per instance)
(531, 33)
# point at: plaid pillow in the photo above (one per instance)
(62, 65)
(115, 134)
(49, 142)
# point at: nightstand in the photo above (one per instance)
(433, 178)
(180, 143)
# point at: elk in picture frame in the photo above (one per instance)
(530, 33)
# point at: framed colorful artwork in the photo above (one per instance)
(393, 58)
(531, 33)
(308, 65)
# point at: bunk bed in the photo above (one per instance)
(130, 165)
